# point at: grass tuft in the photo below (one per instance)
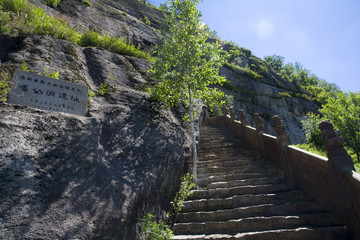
(20, 17)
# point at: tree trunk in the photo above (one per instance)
(193, 139)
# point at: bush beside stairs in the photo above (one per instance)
(242, 197)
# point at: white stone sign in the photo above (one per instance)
(48, 94)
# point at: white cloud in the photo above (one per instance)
(265, 29)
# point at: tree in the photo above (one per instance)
(186, 64)
(275, 61)
(310, 127)
(344, 112)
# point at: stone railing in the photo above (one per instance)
(332, 181)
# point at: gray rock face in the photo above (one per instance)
(262, 97)
(120, 18)
(68, 177)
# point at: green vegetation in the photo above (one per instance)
(47, 73)
(310, 127)
(146, 20)
(284, 94)
(319, 89)
(343, 111)
(164, 7)
(275, 61)
(152, 230)
(105, 87)
(91, 95)
(245, 71)
(185, 191)
(263, 70)
(52, 3)
(311, 148)
(20, 17)
(86, 3)
(186, 64)
(50, 74)
(5, 78)
(24, 67)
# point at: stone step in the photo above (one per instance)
(228, 192)
(242, 201)
(244, 182)
(220, 153)
(266, 210)
(228, 177)
(301, 233)
(229, 162)
(206, 171)
(254, 224)
(242, 197)
(219, 158)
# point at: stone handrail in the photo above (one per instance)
(332, 181)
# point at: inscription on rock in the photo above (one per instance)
(48, 94)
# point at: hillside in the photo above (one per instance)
(65, 176)
(256, 87)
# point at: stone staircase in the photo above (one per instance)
(239, 197)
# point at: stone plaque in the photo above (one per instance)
(48, 93)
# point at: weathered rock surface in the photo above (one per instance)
(119, 18)
(64, 176)
(262, 97)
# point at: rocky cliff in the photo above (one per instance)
(69, 177)
(64, 176)
(256, 87)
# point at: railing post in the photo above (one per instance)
(244, 123)
(282, 141)
(260, 129)
(232, 114)
(339, 162)
(224, 110)
(206, 114)
(217, 113)
(243, 118)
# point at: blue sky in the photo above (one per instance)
(323, 35)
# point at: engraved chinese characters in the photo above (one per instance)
(48, 93)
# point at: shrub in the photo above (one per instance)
(263, 70)
(53, 3)
(20, 17)
(105, 86)
(89, 39)
(247, 52)
(228, 85)
(164, 7)
(245, 71)
(146, 21)
(310, 127)
(91, 95)
(50, 74)
(284, 94)
(151, 230)
(184, 192)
